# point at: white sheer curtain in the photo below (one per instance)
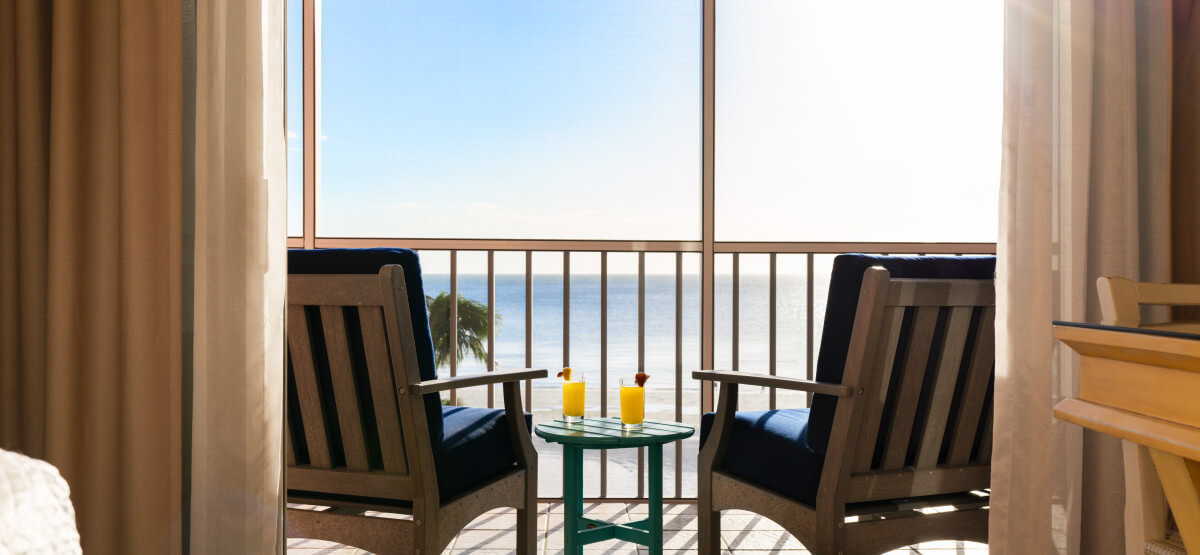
(240, 278)
(1085, 193)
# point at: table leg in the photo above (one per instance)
(656, 500)
(572, 498)
(1180, 478)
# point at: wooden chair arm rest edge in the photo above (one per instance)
(765, 380)
(486, 378)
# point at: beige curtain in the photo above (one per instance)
(95, 205)
(240, 278)
(1086, 168)
(90, 244)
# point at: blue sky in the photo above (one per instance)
(870, 121)
(510, 118)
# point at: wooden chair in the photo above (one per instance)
(1121, 302)
(1147, 521)
(900, 423)
(366, 428)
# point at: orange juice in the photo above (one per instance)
(573, 399)
(633, 404)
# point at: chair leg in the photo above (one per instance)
(425, 529)
(828, 539)
(709, 533)
(527, 518)
(527, 531)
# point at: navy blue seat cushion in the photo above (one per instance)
(369, 261)
(770, 448)
(844, 285)
(477, 448)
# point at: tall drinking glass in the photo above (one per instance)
(573, 397)
(633, 404)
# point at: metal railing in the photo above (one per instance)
(679, 249)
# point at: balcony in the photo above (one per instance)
(612, 308)
(694, 226)
(766, 312)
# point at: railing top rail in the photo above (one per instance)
(585, 245)
(839, 247)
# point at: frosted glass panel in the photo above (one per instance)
(872, 120)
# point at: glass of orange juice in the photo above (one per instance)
(573, 396)
(633, 404)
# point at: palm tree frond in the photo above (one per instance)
(472, 328)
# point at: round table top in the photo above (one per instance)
(607, 433)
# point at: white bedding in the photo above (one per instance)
(36, 515)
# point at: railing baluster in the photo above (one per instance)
(679, 370)
(603, 365)
(772, 317)
(453, 323)
(566, 307)
(529, 327)
(808, 328)
(491, 327)
(641, 359)
(566, 313)
(736, 289)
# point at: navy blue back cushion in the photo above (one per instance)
(369, 261)
(844, 285)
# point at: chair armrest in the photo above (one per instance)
(486, 378)
(764, 380)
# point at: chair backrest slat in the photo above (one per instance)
(383, 389)
(334, 290)
(876, 387)
(312, 414)
(975, 389)
(341, 373)
(931, 434)
(985, 442)
(912, 376)
(940, 292)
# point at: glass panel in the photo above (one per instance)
(516, 119)
(295, 118)
(873, 120)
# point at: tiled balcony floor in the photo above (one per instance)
(744, 533)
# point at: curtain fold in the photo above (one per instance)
(240, 279)
(24, 169)
(90, 296)
(1185, 149)
(1085, 192)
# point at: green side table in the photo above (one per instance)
(606, 433)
